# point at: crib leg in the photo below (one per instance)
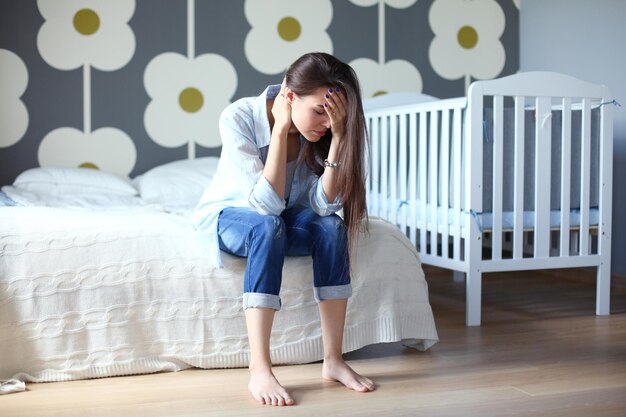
(472, 298)
(458, 276)
(603, 290)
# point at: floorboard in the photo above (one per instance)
(540, 352)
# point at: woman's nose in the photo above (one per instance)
(326, 123)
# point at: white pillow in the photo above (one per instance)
(178, 185)
(63, 181)
(84, 201)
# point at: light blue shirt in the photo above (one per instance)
(239, 181)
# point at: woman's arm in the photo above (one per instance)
(328, 178)
(241, 165)
(275, 169)
(335, 107)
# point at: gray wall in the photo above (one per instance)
(585, 39)
(54, 96)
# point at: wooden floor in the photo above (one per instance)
(541, 351)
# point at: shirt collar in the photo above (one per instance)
(262, 130)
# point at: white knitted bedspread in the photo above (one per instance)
(87, 294)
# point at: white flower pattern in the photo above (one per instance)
(392, 76)
(86, 32)
(108, 149)
(13, 83)
(283, 30)
(188, 96)
(467, 39)
(96, 34)
(398, 4)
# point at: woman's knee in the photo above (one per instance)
(332, 227)
(269, 228)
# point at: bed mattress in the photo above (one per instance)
(87, 294)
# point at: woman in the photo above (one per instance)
(291, 158)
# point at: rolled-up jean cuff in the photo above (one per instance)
(260, 300)
(335, 292)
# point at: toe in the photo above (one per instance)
(284, 396)
(368, 383)
(280, 400)
(364, 384)
(267, 400)
(362, 388)
(356, 386)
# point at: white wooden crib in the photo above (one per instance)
(459, 177)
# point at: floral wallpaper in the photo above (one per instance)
(125, 85)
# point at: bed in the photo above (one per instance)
(515, 176)
(102, 277)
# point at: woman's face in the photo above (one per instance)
(308, 114)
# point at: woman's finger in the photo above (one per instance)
(340, 95)
(333, 102)
(335, 109)
(283, 87)
(329, 103)
(329, 111)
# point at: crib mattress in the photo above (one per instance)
(484, 220)
(87, 294)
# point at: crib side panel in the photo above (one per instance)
(416, 176)
(563, 112)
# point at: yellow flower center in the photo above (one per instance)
(379, 93)
(468, 37)
(191, 100)
(86, 22)
(89, 165)
(289, 29)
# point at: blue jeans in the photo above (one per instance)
(265, 240)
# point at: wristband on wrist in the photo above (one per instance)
(329, 164)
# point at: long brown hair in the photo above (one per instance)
(306, 75)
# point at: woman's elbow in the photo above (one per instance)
(267, 209)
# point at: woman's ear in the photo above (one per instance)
(289, 95)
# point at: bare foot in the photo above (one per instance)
(338, 370)
(265, 388)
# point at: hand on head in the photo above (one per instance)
(336, 107)
(281, 109)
